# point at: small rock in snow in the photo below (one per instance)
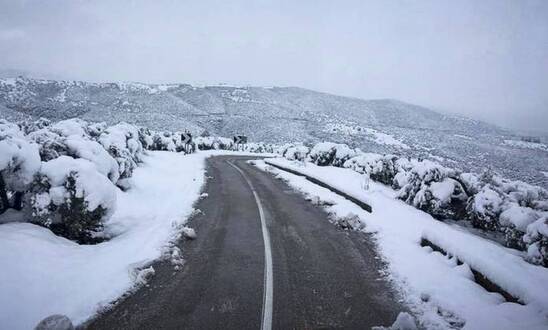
(55, 322)
(144, 275)
(189, 233)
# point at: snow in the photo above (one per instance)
(526, 144)
(371, 133)
(443, 190)
(386, 139)
(487, 201)
(19, 161)
(70, 127)
(189, 233)
(518, 216)
(95, 188)
(436, 287)
(466, 137)
(45, 274)
(96, 154)
(12, 82)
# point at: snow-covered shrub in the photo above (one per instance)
(19, 161)
(78, 147)
(514, 220)
(536, 240)
(442, 200)
(509, 207)
(70, 127)
(282, 149)
(146, 138)
(213, 143)
(471, 182)
(53, 145)
(123, 144)
(322, 154)
(72, 198)
(163, 141)
(381, 168)
(96, 129)
(258, 147)
(31, 126)
(432, 188)
(298, 152)
(485, 207)
(342, 154)
(520, 192)
(327, 153)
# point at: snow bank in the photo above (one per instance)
(439, 290)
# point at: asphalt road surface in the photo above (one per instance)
(263, 258)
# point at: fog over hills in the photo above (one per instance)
(283, 114)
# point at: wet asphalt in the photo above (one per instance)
(323, 276)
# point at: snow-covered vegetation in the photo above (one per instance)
(280, 115)
(526, 144)
(513, 210)
(64, 175)
(222, 143)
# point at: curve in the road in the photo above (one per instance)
(323, 277)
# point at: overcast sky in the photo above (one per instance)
(485, 59)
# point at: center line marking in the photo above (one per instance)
(266, 322)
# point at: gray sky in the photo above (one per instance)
(485, 59)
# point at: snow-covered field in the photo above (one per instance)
(45, 274)
(441, 292)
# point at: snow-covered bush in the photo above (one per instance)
(213, 143)
(123, 144)
(163, 141)
(19, 161)
(72, 198)
(381, 168)
(433, 188)
(514, 220)
(146, 138)
(258, 147)
(31, 126)
(52, 144)
(96, 129)
(70, 127)
(536, 240)
(485, 207)
(282, 149)
(92, 151)
(327, 153)
(297, 152)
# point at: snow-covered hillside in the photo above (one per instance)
(281, 115)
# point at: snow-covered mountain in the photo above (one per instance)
(282, 115)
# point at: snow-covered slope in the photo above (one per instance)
(280, 115)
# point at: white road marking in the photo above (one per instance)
(266, 322)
